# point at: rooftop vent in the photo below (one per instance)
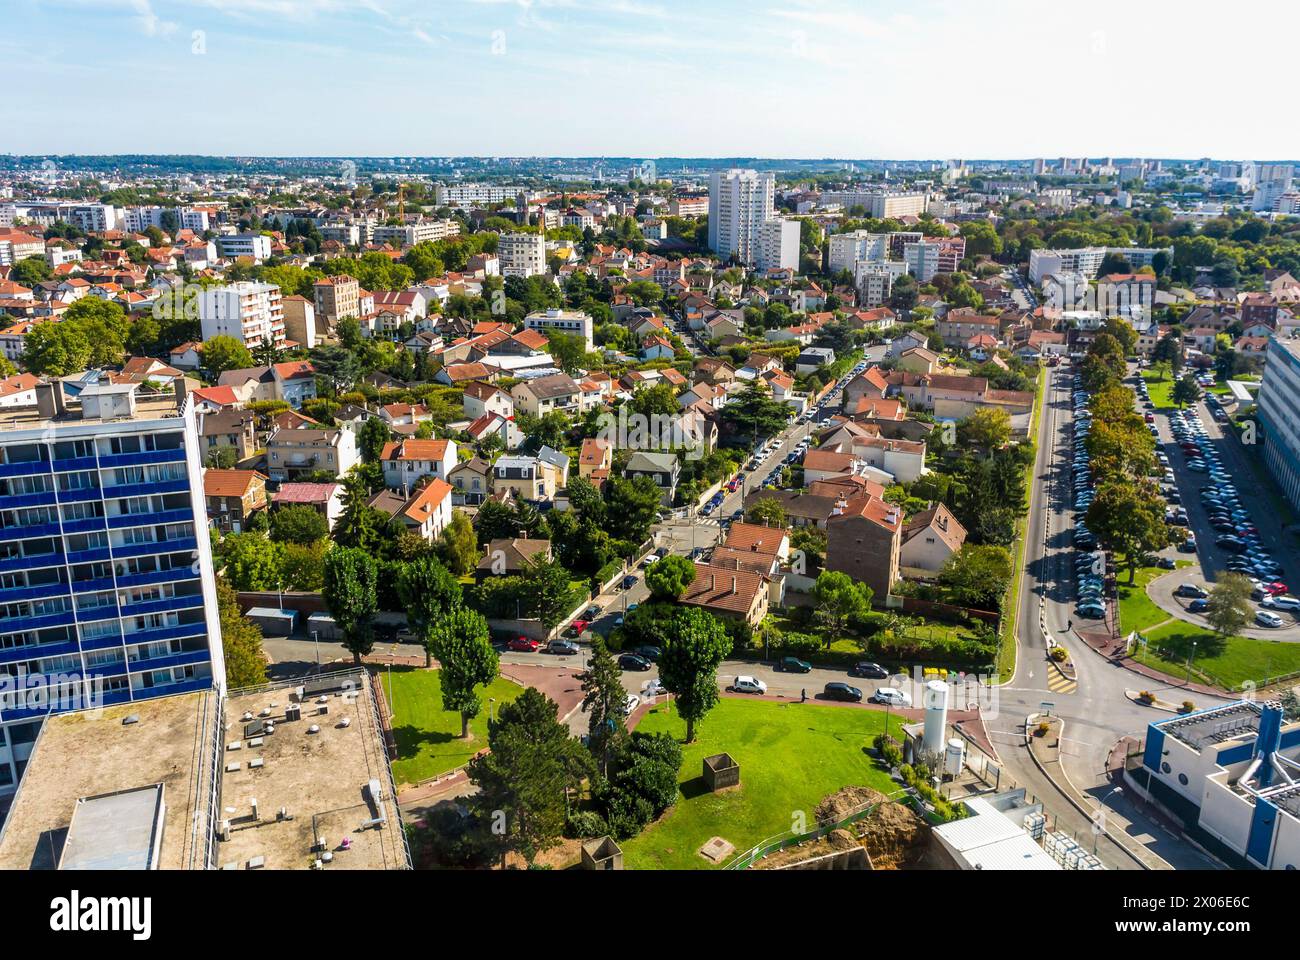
(130, 719)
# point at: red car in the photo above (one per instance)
(1277, 588)
(1149, 418)
(523, 645)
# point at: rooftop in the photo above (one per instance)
(168, 746)
(310, 779)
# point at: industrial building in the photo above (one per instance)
(1231, 775)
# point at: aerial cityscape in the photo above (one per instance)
(659, 503)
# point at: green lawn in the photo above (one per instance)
(1137, 611)
(1229, 662)
(428, 737)
(1161, 391)
(790, 755)
(1011, 603)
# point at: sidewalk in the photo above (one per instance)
(1113, 649)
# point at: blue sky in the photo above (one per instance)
(796, 78)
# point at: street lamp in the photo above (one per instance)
(315, 636)
(492, 709)
(1097, 828)
(1190, 657)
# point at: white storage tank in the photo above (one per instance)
(955, 757)
(936, 716)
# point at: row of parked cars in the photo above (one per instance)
(1089, 566)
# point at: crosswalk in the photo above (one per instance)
(1058, 682)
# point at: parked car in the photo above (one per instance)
(1280, 603)
(1266, 619)
(865, 668)
(842, 691)
(630, 581)
(523, 645)
(892, 696)
(648, 652)
(793, 665)
(631, 661)
(749, 685)
(562, 648)
(1191, 590)
(591, 613)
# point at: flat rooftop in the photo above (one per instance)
(319, 778)
(1215, 725)
(92, 753)
(148, 406)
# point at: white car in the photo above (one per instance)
(649, 560)
(654, 688)
(892, 696)
(1266, 619)
(749, 685)
(1280, 603)
(633, 701)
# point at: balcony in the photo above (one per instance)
(28, 468)
(80, 495)
(105, 642)
(174, 575)
(179, 632)
(30, 533)
(9, 564)
(41, 622)
(179, 485)
(166, 604)
(138, 665)
(158, 546)
(143, 458)
(18, 500)
(149, 519)
(88, 525)
(75, 464)
(36, 651)
(87, 556)
(41, 591)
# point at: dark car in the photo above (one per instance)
(648, 652)
(793, 665)
(631, 661)
(842, 691)
(629, 582)
(872, 671)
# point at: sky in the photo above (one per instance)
(926, 79)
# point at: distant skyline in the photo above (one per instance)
(798, 79)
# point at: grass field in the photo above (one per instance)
(428, 737)
(1006, 665)
(790, 755)
(1161, 391)
(1229, 662)
(1137, 611)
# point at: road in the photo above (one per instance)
(1096, 712)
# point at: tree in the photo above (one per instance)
(1186, 390)
(241, 641)
(604, 700)
(978, 575)
(458, 545)
(1228, 607)
(669, 577)
(631, 505)
(459, 639)
(299, 523)
(754, 413)
(569, 350)
(223, 353)
(30, 271)
(987, 428)
(695, 643)
(1128, 518)
(767, 511)
(251, 561)
(839, 598)
(427, 591)
(372, 436)
(55, 349)
(1168, 351)
(527, 774)
(352, 595)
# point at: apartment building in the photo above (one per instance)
(778, 245)
(252, 245)
(573, 322)
(292, 454)
(846, 250)
(880, 204)
(864, 540)
(405, 462)
(922, 259)
(107, 593)
(1279, 399)
(522, 254)
(139, 219)
(17, 245)
(874, 280)
(335, 298)
(250, 312)
(421, 231)
(1088, 260)
(740, 202)
(688, 206)
(475, 194)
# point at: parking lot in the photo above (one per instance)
(1213, 497)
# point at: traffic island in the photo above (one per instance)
(1145, 698)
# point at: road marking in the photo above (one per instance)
(1059, 683)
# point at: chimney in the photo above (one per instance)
(733, 584)
(49, 400)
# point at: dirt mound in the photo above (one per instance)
(841, 803)
(893, 835)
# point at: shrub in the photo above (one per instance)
(1059, 654)
(890, 751)
(1042, 728)
(1188, 706)
(1146, 696)
(586, 823)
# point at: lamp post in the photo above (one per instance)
(315, 636)
(491, 709)
(1190, 657)
(1097, 828)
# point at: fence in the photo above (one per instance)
(789, 839)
